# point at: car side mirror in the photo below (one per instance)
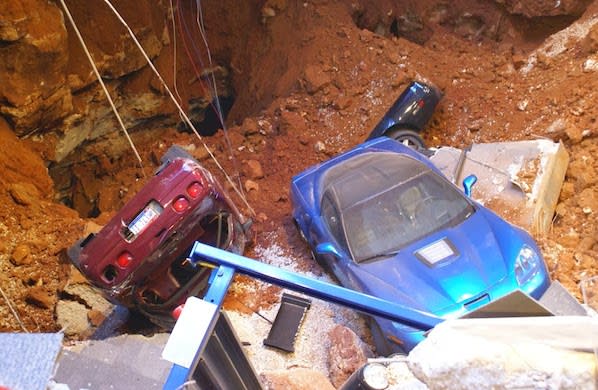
(327, 248)
(468, 183)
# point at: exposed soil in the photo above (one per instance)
(314, 94)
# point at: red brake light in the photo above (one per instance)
(124, 259)
(180, 204)
(194, 189)
(176, 313)
(421, 103)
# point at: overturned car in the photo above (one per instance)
(139, 259)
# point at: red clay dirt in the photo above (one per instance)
(315, 86)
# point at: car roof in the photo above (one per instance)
(367, 174)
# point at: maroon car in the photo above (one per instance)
(139, 258)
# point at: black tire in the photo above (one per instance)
(407, 137)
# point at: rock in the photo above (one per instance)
(34, 94)
(588, 199)
(590, 65)
(292, 123)
(296, 379)
(587, 243)
(320, 147)
(574, 133)
(250, 185)
(345, 355)
(253, 169)
(315, 79)
(22, 165)
(24, 194)
(522, 105)
(516, 353)
(571, 239)
(95, 317)
(589, 44)
(71, 316)
(250, 126)
(39, 296)
(91, 297)
(21, 255)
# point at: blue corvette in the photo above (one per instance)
(385, 221)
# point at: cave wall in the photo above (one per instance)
(48, 89)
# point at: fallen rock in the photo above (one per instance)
(39, 296)
(21, 255)
(345, 355)
(251, 185)
(296, 379)
(250, 126)
(315, 79)
(71, 316)
(292, 122)
(253, 169)
(24, 194)
(508, 353)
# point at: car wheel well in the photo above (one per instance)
(406, 136)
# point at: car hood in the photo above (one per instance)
(471, 263)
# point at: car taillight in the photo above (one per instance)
(180, 204)
(124, 259)
(421, 103)
(194, 189)
(176, 313)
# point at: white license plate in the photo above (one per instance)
(145, 217)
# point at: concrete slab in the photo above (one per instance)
(553, 352)
(28, 359)
(123, 362)
(521, 181)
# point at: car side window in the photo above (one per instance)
(331, 216)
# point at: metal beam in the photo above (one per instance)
(318, 289)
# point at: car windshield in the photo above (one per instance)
(385, 201)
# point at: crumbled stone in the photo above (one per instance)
(24, 194)
(345, 354)
(250, 185)
(253, 169)
(21, 255)
(39, 296)
(315, 79)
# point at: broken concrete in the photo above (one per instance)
(123, 362)
(506, 353)
(28, 360)
(521, 181)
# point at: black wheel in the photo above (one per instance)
(407, 137)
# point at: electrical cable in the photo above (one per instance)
(200, 25)
(187, 120)
(174, 56)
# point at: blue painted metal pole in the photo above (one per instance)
(220, 280)
(315, 288)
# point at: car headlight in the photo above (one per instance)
(527, 263)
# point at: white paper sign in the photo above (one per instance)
(189, 331)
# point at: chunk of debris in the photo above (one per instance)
(21, 255)
(526, 352)
(521, 181)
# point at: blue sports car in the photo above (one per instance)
(385, 221)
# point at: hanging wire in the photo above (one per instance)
(176, 103)
(174, 56)
(200, 25)
(101, 81)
